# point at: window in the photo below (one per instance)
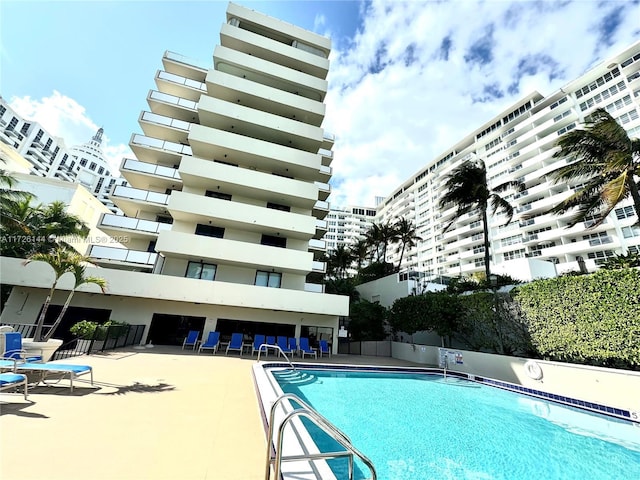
(218, 195)
(100, 170)
(83, 162)
(209, 231)
(25, 128)
(268, 279)
(92, 166)
(625, 212)
(277, 206)
(12, 124)
(273, 241)
(202, 271)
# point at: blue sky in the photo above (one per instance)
(408, 79)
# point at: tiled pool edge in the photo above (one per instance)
(618, 413)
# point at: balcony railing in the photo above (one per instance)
(137, 224)
(326, 170)
(173, 78)
(123, 255)
(176, 57)
(172, 99)
(161, 144)
(600, 241)
(151, 168)
(138, 194)
(317, 244)
(325, 153)
(320, 267)
(329, 136)
(167, 121)
(323, 186)
(321, 224)
(314, 287)
(320, 205)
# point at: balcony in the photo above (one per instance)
(321, 229)
(146, 176)
(122, 256)
(319, 267)
(320, 209)
(317, 245)
(249, 122)
(172, 106)
(134, 226)
(199, 173)
(268, 73)
(155, 150)
(314, 287)
(213, 143)
(224, 251)
(234, 88)
(185, 66)
(328, 139)
(326, 155)
(132, 200)
(167, 128)
(180, 86)
(324, 190)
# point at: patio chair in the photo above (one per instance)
(212, 343)
(271, 340)
(324, 348)
(284, 345)
(43, 370)
(257, 341)
(191, 340)
(293, 345)
(305, 349)
(13, 380)
(13, 348)
(235, 343)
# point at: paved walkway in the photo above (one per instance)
(152, 414)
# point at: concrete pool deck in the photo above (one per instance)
(159, 413)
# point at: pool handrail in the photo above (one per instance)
(275, 347)
(321, 422)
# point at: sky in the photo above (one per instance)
(408, 79)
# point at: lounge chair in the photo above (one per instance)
(212, 342)
(305, 349)
(235, 343)
(45, 369)
(191, 340)
(293, 345)
(271, 340)
(284, 345)
(324, 348)
(12, 380)
(257, 341)
(13, 348)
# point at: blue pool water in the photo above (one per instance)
(420, 427)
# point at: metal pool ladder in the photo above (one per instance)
(321, 422)
(266, 347)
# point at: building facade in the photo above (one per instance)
(518, 144)
(226, 201)
(348, 225)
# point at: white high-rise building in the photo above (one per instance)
(519, 143)
(347, 225)
(227, 195)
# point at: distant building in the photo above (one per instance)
(345, 226)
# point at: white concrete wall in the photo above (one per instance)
(608, 386)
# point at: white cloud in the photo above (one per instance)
(65, 118)
(391, 120)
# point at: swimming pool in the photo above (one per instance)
(419, 426)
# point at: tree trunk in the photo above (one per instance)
(401, 255)
(37, 335)
(633, 188)
(485, 229)
(59, 319)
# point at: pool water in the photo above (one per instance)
(421, 426)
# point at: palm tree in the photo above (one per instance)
(8, 194)
(359, 251)
(405, 233)
(339, 261)
(468, 190)
(378, 237)
(604, 155)
(62, 260)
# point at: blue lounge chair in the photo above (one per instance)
(257, 341)
(212, 342)
(12, 380)
(191, 340)
(13, 348)
(305, 349)
(324, 348)
(284, 345)
(271, 340)
(235, 343)
(293, 345)
(45, 369)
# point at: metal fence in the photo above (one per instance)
(375, 349)
(103, 338)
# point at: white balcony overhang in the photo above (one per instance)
(116, 225)
(179, 86)
(263, 97)
(134, 200)
(161, 126)
(147, 176)
(172, 106)
(185, 66)
(156, 150)
(122, 256)
(230, 252)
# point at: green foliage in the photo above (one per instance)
(374, 271)
(437, 311)
(90, 330)
(592, 319)
(622, 261)
(367, 321)
(472, 284)
(343, 286)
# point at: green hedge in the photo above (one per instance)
(592, 319)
